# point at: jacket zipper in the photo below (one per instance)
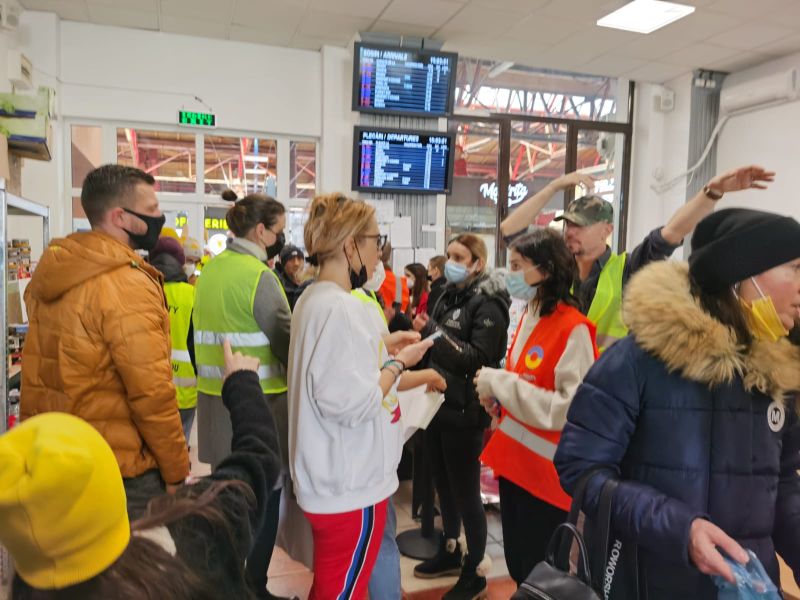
(535, 592)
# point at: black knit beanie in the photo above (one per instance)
(733, 244)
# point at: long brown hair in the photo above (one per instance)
(420, 274)
(726, 308)
(145, 570)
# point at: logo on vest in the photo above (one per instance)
(534, 357)
(776, 416)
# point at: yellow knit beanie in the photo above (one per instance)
(63, 515)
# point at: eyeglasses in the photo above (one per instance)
(380, 239)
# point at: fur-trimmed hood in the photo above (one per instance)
(669, 323)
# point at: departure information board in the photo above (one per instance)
(403, 81)
(414, 162)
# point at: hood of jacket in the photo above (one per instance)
(170, 268)
(669, 323)
(490, 284)
(71, 261)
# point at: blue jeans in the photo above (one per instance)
(384, 583)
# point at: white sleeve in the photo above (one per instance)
(535, 406)
(343, 372)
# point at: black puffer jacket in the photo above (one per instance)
(475, 319)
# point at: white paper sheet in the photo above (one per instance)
(417, 408)
(400, 233)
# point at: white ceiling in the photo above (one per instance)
(724, 35)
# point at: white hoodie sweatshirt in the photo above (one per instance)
(345, 438)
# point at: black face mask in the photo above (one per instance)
(430, 278)
(146, 241)
(275, 249)
(357, 280)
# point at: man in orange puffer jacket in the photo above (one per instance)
(98, 345)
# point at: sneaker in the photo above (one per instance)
(446, 562)
(470, 586)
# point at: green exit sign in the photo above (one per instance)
(196, 119)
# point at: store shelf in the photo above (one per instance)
(25, 208)
(13, 205)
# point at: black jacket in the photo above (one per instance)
(437, 288)
(293, 291)
(217, 554)
(475, 321)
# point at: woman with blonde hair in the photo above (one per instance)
(345, 434)
(472, 315)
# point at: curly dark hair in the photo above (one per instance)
(546, 249)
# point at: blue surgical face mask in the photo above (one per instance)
(455, 272)
(518, 287)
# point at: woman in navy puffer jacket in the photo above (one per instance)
(694, 411)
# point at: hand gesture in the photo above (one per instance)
(436, 383)
(400, 339)
(570, 180)
(237, 362)
(491, 406)
(420, 321)
(704, 538)
(413, 353)
(743, 178)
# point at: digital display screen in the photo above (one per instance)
(196, 119)
(403, 81)
(396, 160)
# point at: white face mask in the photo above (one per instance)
(374, 284)
(189, 269)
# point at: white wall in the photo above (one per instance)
(136, 75)
(338, 119)
(140, 76)
(660, 145)
(768, 137)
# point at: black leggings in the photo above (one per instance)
(454, 456)
(263, 544)
(528, 525)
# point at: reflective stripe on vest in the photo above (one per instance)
(214, 338)
(224, 310)
(606, 308)
(180, 300)
(531, 441)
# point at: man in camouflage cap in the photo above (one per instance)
(588, 225)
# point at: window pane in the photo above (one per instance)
(215, 229)
(295, 223)
(472, 206)
(480, 85)
(538, 156)
(303, 169)
(87, 151)
(168, 156)
(600, 155)
(245, 165)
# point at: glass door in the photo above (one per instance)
(600, 154)
(184, 216)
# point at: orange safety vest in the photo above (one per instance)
(521, 453)
(394, 289)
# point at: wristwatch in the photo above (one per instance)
(712, 194)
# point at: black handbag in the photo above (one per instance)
(551, 579)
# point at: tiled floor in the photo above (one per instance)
(290, 578)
